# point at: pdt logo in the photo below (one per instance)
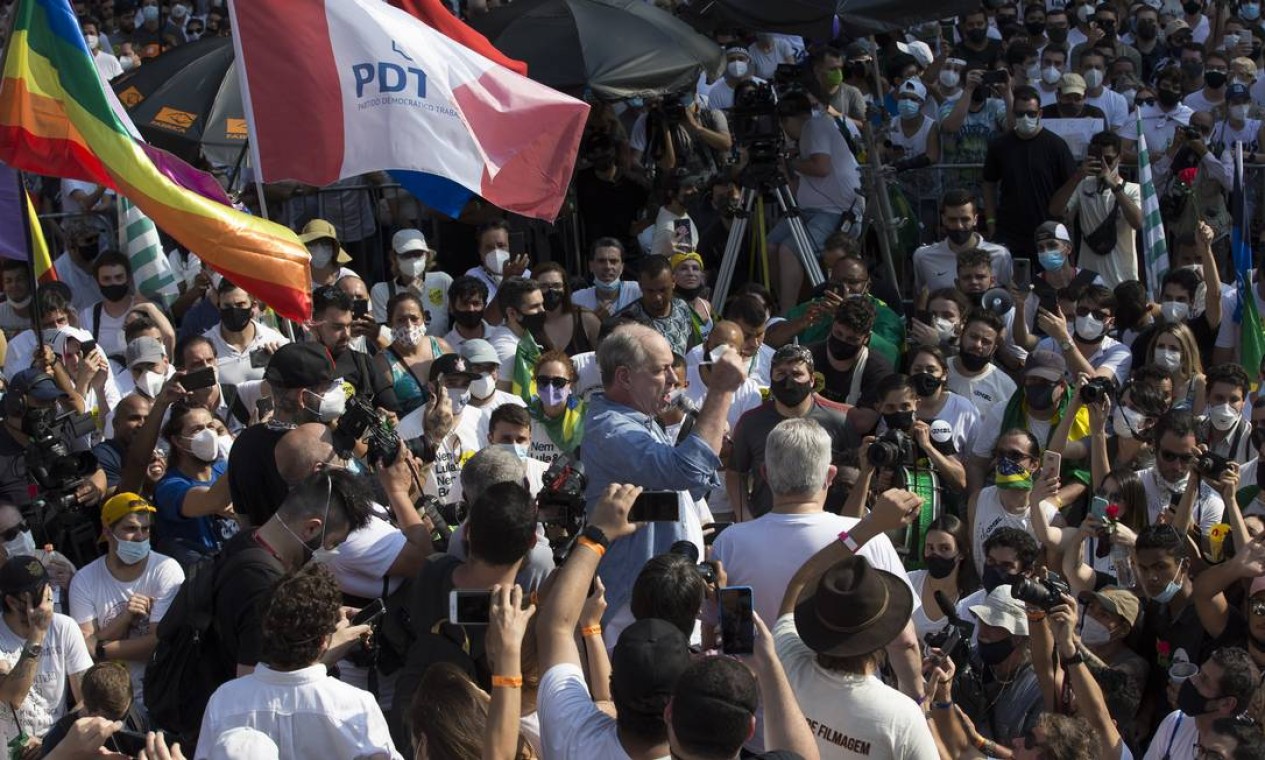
(385, 78)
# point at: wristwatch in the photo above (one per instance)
(33, 651)
(595, 534)
(1076, 659)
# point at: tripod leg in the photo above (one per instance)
(802, 243)
(733, 246)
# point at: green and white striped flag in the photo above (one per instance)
(138, 238)
(1154, 245)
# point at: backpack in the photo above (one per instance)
(189, 663)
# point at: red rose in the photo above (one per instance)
(1187, 176)
(1113, 512)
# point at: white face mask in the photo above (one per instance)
(736, 69)
(1026, 125)
(944, 328)
(482, 388)
(1094, 633)
(1033, 73)
(25, 302)
(1089, 327)
(1093, 78)
(1051, 75)
(495, 261)
(21, 546)
(92, 40)
(126, 63)
(151, 383)
(205, 445)
(517, 449)
(459, 401)
(950, 79)
(409, 336)
(1174, 311)
(333, 403)
(322, 254)
(1239, 112)
(1223, 416)
(1168, 359)
(413, 267)
(1125, 421)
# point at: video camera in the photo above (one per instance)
(1046, 594)
(361, 421)
(56, 471)
(755, 123)
(560, 502)
(894, 448)
(705, 570)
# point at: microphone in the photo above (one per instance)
(684, 403)
(950, 612)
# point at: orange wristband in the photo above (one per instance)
(509, 682)
(590, 543)
(591, 630)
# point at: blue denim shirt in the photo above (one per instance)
(622, 445)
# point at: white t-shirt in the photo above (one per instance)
(65, 654)
(837, 190)
(673, 233)
(1111, 354)
(571, 726)
(1114, 107)
(746, 398)
(962, 417)
(1091, 203)
(991, 515)
(986, 391)
(505, 343)
(766, 552)
(936, 265)
(11, 322)
(110, 335)
(363, 559)
(629, 291)
(84, 290)
(923, 624)
(851, 716)
(107, 66)
(95, 594)
(588, 374)
(1207, 511)
(457, 340)
(434, 295)
(234, 366)
(1175, 738)
(764, 65)
(444, 481)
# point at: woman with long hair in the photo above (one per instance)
(950, 570)
(1173, 348)
(407, 360)
(557, 414)
(567, 326)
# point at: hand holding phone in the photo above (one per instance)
(737, 620)
(1051, 461)
(369, 614)
(655, 506)
(359, 308)
(198, 379)
(470, 607)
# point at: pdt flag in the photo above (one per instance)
(338, 88)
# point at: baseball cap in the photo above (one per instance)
(1052, 231)
(121, 505)
(1175, 26)
(1258, 586)
(649, 657)
(451, 364)
(1238, 91)
(1072, 82)
(1047, 365)
(145, 350)
(300, 365)
(914, 87)
(37, 383)
(1119, 601)
(737, 50)
(479, 351)
(20, 574)
(319, 229)
(857, 50)
(1002, 610)
(409, 240)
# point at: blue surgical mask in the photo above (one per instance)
(131, 552)
(607, 287)
(1051, 259)
(1166, 596)
(517, 449)
(908, 108)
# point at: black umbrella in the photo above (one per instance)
(616, 48)
(826, 19)
(187, 101)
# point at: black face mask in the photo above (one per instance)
(960, 237)
(925, 384)
(1108, 29)
(994, 577)
(1168, 98)
(553, 299)
(689, 294)
(1058, 36)
(790, 393)
(976, 36)
(899, 420)
(87, 250)
(1191, 702)
(996, 652)
(114, 292)
(36, 420)
(978, 95)
(533, 323)
(1215, 79)
(1035, 28)
(842, 349)
(1193, 7)
(468, 318)
(973, 362)
(1147, 30)
(235, 318)
(1040, 397)
(940, 567)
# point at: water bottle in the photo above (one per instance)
(45, 555)
(1122, 563)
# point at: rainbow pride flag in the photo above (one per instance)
(18, 223)
(56, 119)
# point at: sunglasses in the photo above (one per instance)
(1148, 102)
(1014, 456)
(557, 382)
(1174, 456)
(1030, 114)
(14, 532)
(1098, 314)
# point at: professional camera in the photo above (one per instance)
(672, 109)
(788, 77)
(51, 465)
(1210, 465)
(560, 502)
(1045, 594)
(1097, 389)
(755, 124)
(687, 549)
(361, 421)
(892, 449)
(443, 530)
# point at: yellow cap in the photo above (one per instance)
(121, 505)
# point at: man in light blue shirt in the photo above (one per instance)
(624, 444)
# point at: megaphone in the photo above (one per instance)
(997, 300)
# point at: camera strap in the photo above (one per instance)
(858, 369)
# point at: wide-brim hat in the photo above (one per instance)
(855, 609)
(319, 229)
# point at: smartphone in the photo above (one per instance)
(359, 308)
(199, 378)
(1098, 507)
(1023, 273)
(716, 530)
(370, 613)
(518, 243)
(470, 607)
(132, 743)
(994, 77)
(87, 347)
(1048, 300)
(1051, 461)
(259, 358)
(737, 620)
(655, 506)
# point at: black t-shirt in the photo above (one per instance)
(839, 383)
(253, 480)
(353, 366)
(1029, 172)
(241, 594)
(609, 208)
(987, 58)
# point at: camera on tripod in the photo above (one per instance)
(1046, 594)
(755, 122)
(55, 469)
(895, 448)
(361, 421)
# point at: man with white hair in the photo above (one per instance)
(622, 442)
(766, 552)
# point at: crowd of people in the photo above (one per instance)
(981, 493)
